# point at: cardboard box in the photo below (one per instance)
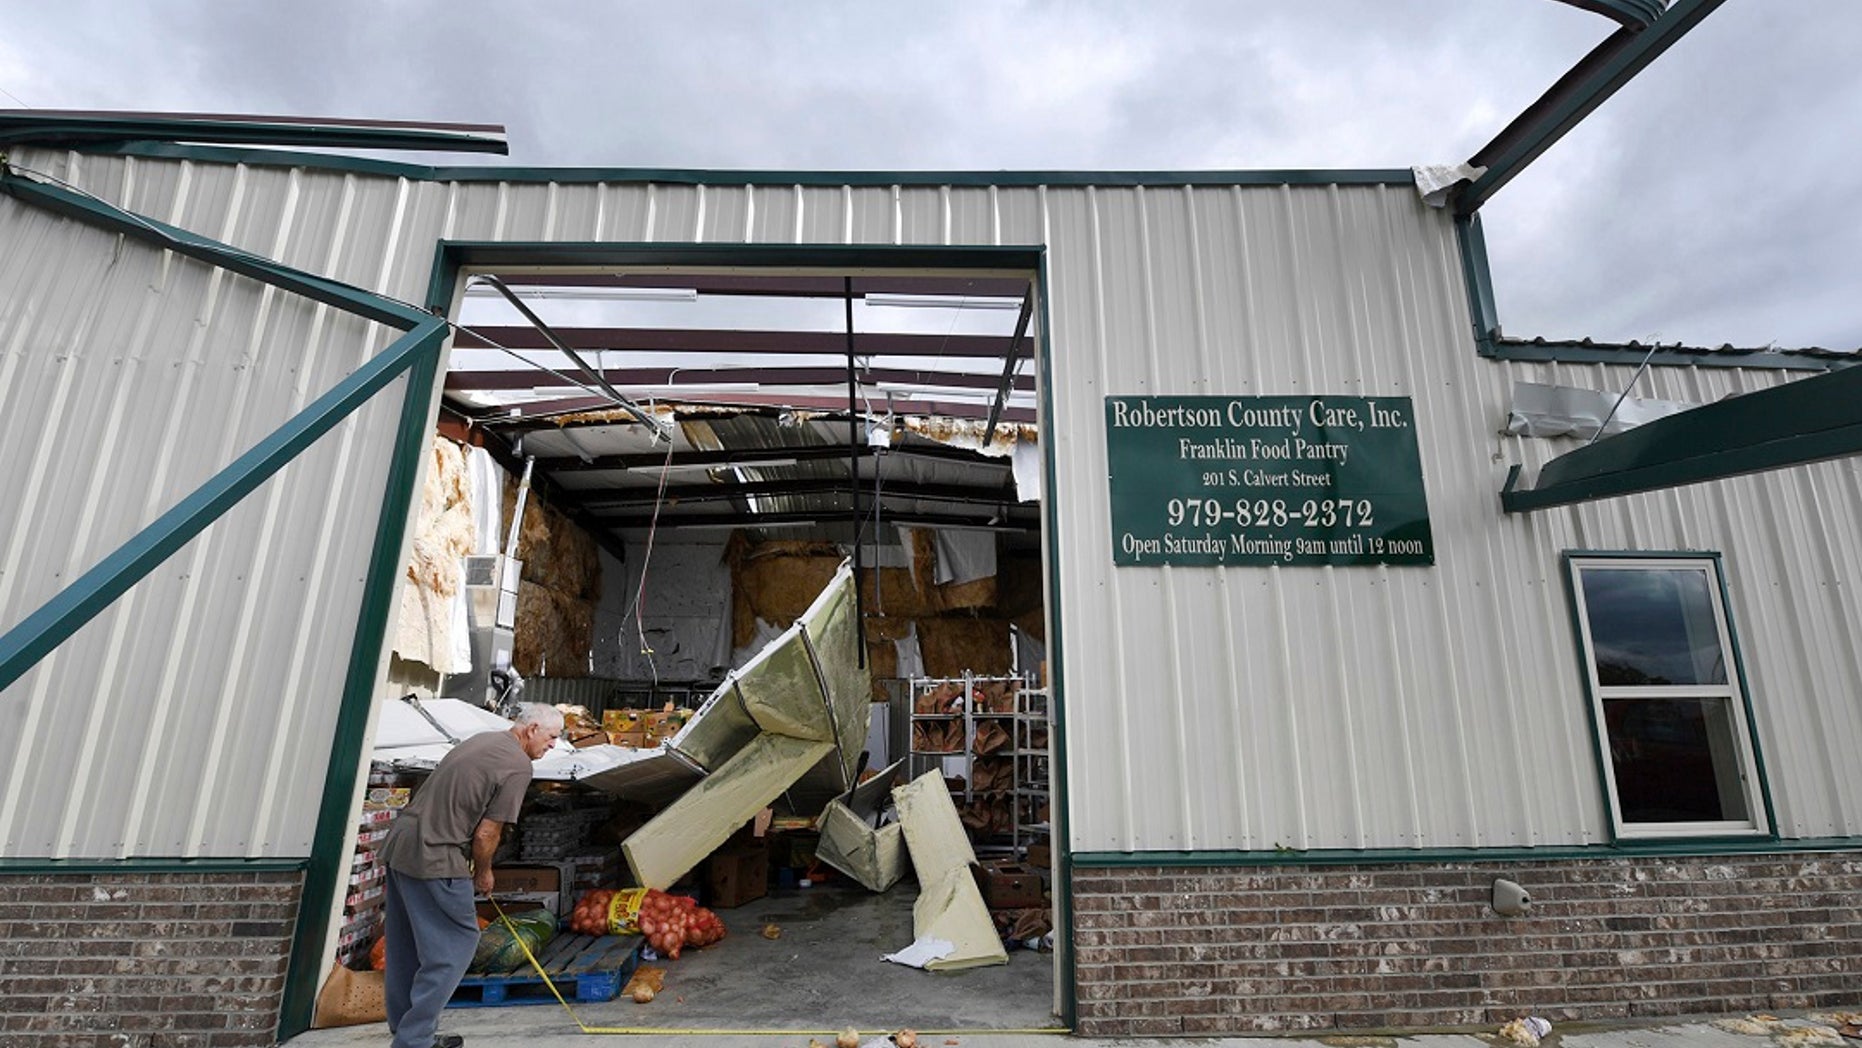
(623, 720)
(586, 737)
(1009, 885)
(1040, 857)
(525, 879)
(633, 740)
(736, 874)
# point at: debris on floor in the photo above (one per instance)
(1527, 1031)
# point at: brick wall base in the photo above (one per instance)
(1199, 951)
(144, 960)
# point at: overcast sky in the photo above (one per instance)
(1717, 198)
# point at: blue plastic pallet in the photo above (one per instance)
(583, 967)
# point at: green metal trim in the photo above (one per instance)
(1637, 14)
(1745, 692)
(22, 867)
(1589, 84)
(45, 629)
(328, 862)
(725, 177)
(50, 625)
(95, 212)
(1058, 796)
(81, 130)
(1478, 277)
(480, 253)
(1665, 849)
(1800, 422)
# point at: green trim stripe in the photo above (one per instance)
(143, 864)
(1689, 848)
(155, 149)
(329, 863)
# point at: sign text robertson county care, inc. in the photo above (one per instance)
(1266, 480)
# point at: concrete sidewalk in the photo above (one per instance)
(540, 1027)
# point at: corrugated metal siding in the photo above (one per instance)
(192, 718)
(1243, 708)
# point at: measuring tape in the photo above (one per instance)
(664, 1031)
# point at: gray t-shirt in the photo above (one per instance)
(484, 777)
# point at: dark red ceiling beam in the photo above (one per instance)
(688, 340)
(463, 381)
(784, 285)
(532, 411)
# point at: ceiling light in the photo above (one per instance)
(628, 294)
(942, 302)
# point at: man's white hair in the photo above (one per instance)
(538, 713)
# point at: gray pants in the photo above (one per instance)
(432, 932)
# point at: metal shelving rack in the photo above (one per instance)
(1025, 722)
(1032, 753)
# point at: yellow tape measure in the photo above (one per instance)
(665, 1031)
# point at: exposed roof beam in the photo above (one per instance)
(651, 462)
(1009, 360)
(597, 499)
(524, 378)
(1637, 14)
(1030, 522)
(1586, 86)
(538, 413)
(690, 340)
(785, 285)
(1804, 421)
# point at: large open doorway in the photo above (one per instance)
(693, 444)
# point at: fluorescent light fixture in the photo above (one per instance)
(709, 466)
(592, 294)
(942, 302)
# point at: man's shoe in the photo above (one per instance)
(448, 1040)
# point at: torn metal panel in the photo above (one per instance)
(875, 857)
(950, 905)
(718, 729)
(1804, 421)
(1540, 410)
(693, 826)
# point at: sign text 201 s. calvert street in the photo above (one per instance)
(1266, 480)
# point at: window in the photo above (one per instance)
(1675, 745)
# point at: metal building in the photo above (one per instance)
(218, 376)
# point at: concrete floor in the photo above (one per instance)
(823, 973)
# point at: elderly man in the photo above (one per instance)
(438, 852)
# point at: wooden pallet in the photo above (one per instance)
(583, 968)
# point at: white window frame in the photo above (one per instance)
(1732, 692)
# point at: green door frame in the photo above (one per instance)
(451, 257)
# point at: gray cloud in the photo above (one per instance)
(1712, 200)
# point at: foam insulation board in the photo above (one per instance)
(782, 692)
(875, 857)
(693, 826)
(829, 633)
(717, 730)
(950, 905)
